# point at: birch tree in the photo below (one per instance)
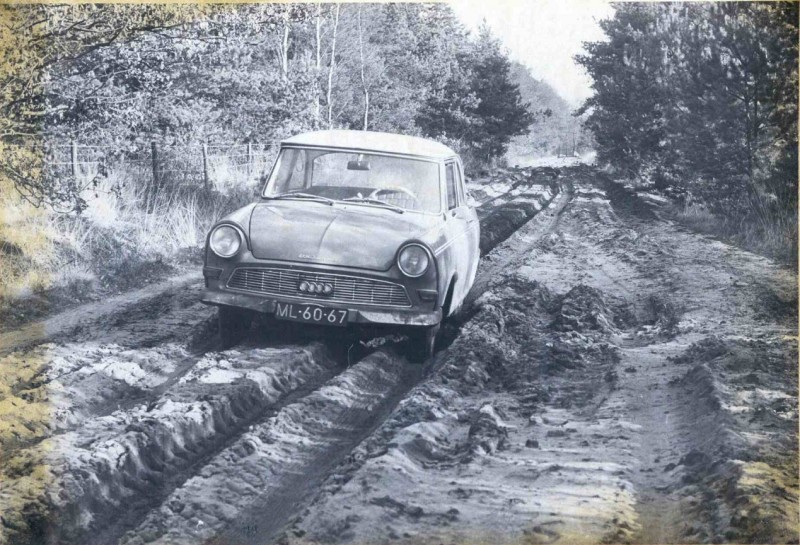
(364, 84)
(332, 65)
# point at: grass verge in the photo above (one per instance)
(774, 235)
(50, 261)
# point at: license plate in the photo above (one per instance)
(310, 314)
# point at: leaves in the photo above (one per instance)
(118, 76)
(702, 99)
(479, 104)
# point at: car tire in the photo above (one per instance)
(422, 343)
(233, 324)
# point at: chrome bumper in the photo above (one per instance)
(266, 305)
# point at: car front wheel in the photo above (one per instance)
(233, 324)
(422, 343)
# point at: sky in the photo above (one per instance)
(544, 35)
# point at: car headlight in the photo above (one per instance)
(225, 241)
(413, 260)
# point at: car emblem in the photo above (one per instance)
(314, 287)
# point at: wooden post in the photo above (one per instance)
(74, 158)
(249, 160)
(154, 186)
(154, 159)
(206, 184)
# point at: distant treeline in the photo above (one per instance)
(557, 130)
(122, 76)
(700, 99)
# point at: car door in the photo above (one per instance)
(458, 230)
(470, 216)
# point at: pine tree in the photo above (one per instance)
(479, 105)
(701, 99)
(500, 106)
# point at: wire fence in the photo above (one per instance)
(203, 165)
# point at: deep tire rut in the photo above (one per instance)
(594, 368)
(644, 395)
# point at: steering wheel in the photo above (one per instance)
(395, 189)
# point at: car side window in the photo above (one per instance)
(462, 193)
(452, 199)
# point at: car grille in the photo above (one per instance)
(346, 289)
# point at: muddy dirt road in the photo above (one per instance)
(615, 379)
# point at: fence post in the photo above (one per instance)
(154, 187)
(206, 184)
(154, 158)
(249, 159)
(74, 158)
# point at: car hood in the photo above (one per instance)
(364, 237)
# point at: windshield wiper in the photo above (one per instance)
(300, 195)
(376, 201)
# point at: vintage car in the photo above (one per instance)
(352, 228)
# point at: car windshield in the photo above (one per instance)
(375, 180)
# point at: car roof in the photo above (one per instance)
(382, 142)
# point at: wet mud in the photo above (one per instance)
(613, 378)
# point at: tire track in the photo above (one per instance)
(280, 460)
(129, 358)
(611, 413)
(81, 317)
(113, 464)
(288, 487)
(140, 416)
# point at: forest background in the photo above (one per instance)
(127, 130)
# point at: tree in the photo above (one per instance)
(479, 104)
(500, 105)
(701, 99)
(38, 44)
(120, 76)
(631, 90)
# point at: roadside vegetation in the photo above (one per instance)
(699, 102)
(125, 131)
(51, 261)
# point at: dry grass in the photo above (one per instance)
(771, 231)
(49, 261)
(25, 248)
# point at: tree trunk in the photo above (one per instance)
(364, 85)
(318, 25)
(331, 67)
(285, 48)
(154, 187)
(74, 158)
(366, 109)
(318, 65)
(755, 150)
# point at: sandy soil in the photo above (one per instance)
(623, 381)
(614, 379)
